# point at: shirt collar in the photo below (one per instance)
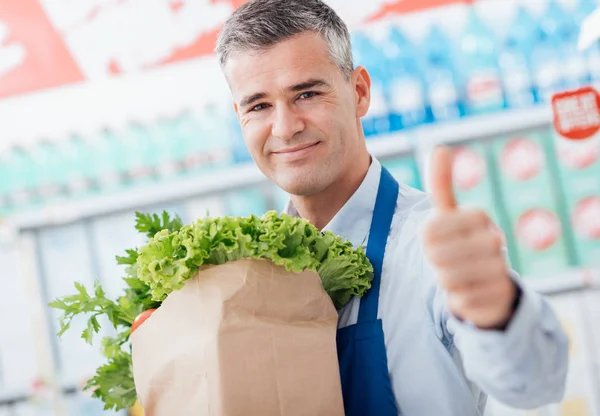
(353, 221)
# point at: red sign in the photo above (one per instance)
(33, 54)
(580, 154)
(586, 218)
(521, 159)
(58, 44)
(409, 6)
(538, 229)
(469, 168)
(577, 113)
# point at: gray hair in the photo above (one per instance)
(261, 24)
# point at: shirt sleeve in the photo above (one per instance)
(525, 366)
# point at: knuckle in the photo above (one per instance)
(480, 217)
(431, 231)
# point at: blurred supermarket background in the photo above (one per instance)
(111, 106)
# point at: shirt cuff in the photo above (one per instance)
(526, 318)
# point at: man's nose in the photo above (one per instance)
(286, 123)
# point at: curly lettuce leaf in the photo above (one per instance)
(173, 257)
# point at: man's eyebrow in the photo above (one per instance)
(246, 101)
(311, 83)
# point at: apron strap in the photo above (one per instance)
(385, 206)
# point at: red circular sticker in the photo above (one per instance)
(538, 229)
(577, 113)
(469, 168)
(522, 159)
(579, 154)
(586, 218)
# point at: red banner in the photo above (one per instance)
(32, 54)
(55, 43)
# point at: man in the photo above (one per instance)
(445, 322)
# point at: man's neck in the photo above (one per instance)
(319, 209)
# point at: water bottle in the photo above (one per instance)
(78, 158)
(110, 165)
(5, 207)
(140, 152)
(50, 171)
(592, 54)
(514, 62)
(405, 90)
(377, 120)
(169, 148)
(546, 62)
(189, 132)
(234, 134)
(443, 96)
(575, 67)
(483, 83)
(21, 177)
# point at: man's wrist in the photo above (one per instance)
(518, 295)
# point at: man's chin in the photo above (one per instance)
(300, 187)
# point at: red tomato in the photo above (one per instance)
(141, 318)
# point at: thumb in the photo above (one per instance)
(441, 179)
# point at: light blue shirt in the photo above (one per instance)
(440, 366)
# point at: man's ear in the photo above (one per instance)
(362, 88)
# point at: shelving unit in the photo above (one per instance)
(419, 140)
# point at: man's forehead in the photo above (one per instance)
(283, 65)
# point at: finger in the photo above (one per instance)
(469, 275)
(480, 245)
(441, 180)
(456, 224)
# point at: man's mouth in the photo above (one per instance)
(296, 152)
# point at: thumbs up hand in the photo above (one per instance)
(466, 251)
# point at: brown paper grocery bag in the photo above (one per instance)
(244, 338)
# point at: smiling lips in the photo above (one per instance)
(297, 152)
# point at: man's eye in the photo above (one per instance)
(308, 95)
(259, 107)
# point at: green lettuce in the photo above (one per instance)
(175, 253)
(172, 257)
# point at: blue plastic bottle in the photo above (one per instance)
(405, 91)
(443, 93)
(233, 133)
(23, 183)
(567, 33)
(377, 121)
(50, 171)
(483, 82)
(110, 166)
(79, 161)
(5, 206)
(140, 152)
(592, 54)
(514, 62)
(546, 60)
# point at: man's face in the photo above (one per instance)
(300, 116)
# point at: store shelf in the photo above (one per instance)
(139, 197)
(484, 126)
(248, 175)
(571, 280)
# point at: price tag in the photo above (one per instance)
(577, 113)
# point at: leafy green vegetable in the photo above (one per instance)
(152, 223)
(175, 253)
(171, 258)
(113, 383)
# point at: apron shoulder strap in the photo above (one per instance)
(385, 206)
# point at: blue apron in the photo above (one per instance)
(366, 385)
